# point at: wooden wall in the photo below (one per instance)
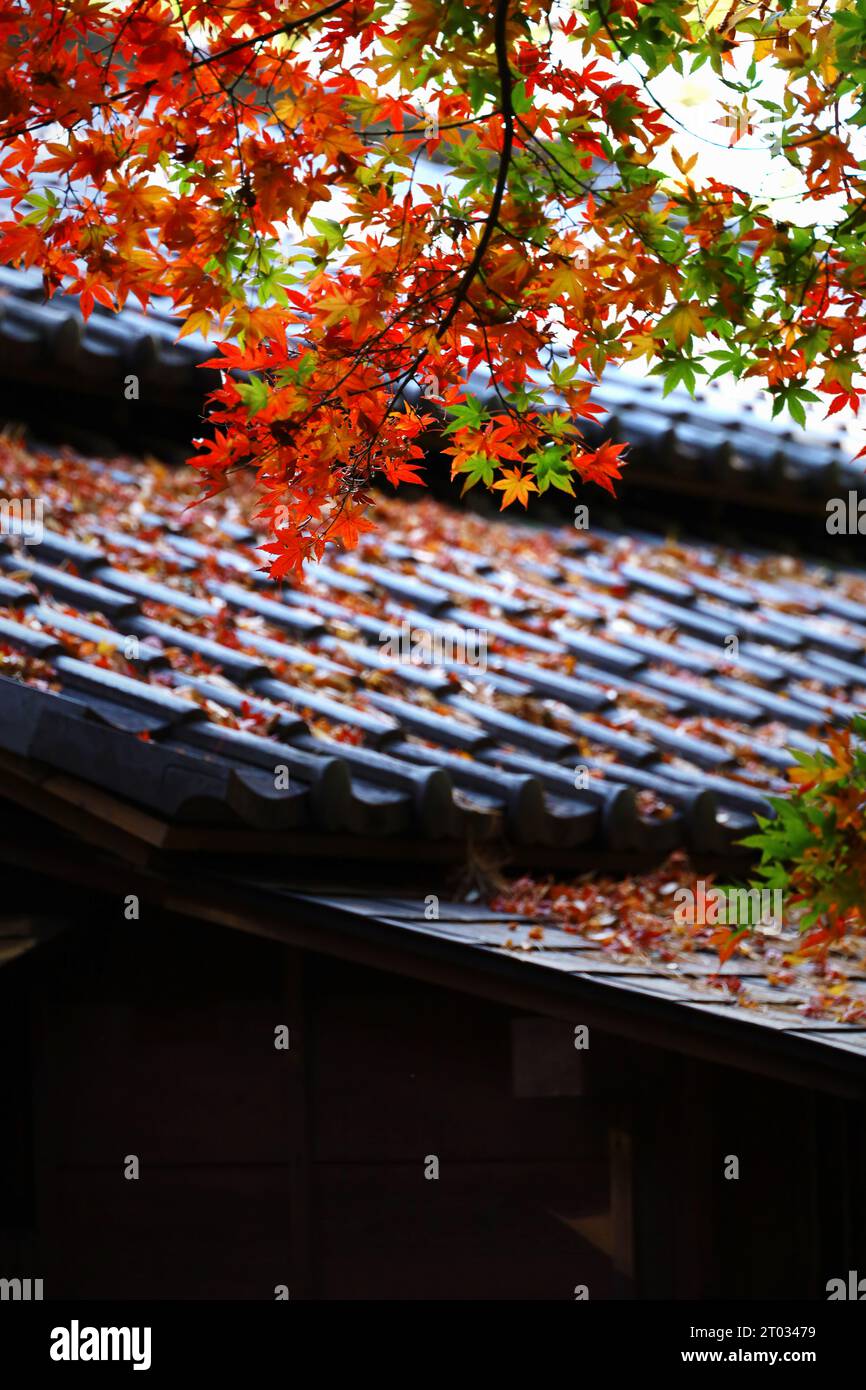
(306, 1168)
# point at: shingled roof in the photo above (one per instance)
(453, 678)
(455, 689)
(722, 443)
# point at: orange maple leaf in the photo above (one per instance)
(515, 487)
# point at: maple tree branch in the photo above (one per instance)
(253, 131)
(445, 125)
(287, 27)
(500, 39)
(491, 366)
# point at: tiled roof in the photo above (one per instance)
(35, 331)
(623, 969)
(721, 440)
(154, 681)
(454, 680)
(759, 1004)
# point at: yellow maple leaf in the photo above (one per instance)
(682, 321)
(565, 280)
(514, 487)
(199, 322)
(340, 309)
(640, 345)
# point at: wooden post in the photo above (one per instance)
(297, 1119)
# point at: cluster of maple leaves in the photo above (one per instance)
(265, 165)
(814, 848)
